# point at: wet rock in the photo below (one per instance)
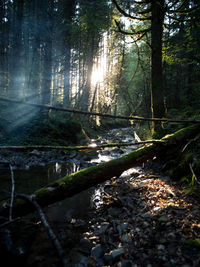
(85, 246)
(97, 252)
(122, 227)
(103, 227)
(126, 238)
(117, 253)
(35, 152)
(117, 151)
(160, 247)
(126, 263)
(108, 259)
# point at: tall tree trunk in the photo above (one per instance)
(157, 95)
(15, 65)
(69, 8)
(47, 50)
(86, 92)
(3, 39)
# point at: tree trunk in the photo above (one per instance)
(15, 64)
(47, 57)
(86, 93)
(83, 179)
(157, 96)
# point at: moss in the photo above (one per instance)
(193, 243)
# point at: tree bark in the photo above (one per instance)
(157, 95)
(83, 179)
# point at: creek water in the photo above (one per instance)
(71, 209)
(35, 177)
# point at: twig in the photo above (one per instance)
(48, 228)
(190, 165)
(192, 140)
(12, 192)
(9, 222)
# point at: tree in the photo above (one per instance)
(16, 50)
(155, 12)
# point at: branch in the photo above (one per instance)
(192, 171)
(128, 15)
(178, 19)
(97, 113)
(133, 32)
(48, 228)
(79, 148)
(142, 3)
(186, 11)
(175, 2)
(12, 192)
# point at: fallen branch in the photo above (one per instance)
(79, 148)
(47, 226)
(98, 114)
(12, 192)
(9, 222)
(86, 178)
(194, 175)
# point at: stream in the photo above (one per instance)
(36, 172)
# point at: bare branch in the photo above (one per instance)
(178, 19)
(144, 11)
(186, 11)
(142, 3)
(12, 192)
(133, 32)
(175, 2)
(128, 15)
(48, 228)
(48, 107)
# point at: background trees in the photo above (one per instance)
(71, 53)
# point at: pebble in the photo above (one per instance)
(97, 252)
(85, 246)
(116, 253)
(122, 227)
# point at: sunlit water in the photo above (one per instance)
(27, 181)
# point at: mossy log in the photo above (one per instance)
(83, 179)
(78, 148)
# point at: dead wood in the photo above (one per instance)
(85, 178)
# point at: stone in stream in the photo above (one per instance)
(85, 246)
(122, 227)
(97, 252)
(113, 255)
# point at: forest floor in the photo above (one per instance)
(142, 218)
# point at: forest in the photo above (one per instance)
(100, 133)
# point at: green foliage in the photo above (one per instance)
(193, 242)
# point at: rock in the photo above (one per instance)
(122, 227)
(126, 263)
(103, 227)
(97, 252)
(85, 246)
(126, 238)
(116, 253)
(163, 218)
(35, 152)
(108, 258)
(160, 247)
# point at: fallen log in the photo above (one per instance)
(85, 178)
(137, 118)
(79, 148)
